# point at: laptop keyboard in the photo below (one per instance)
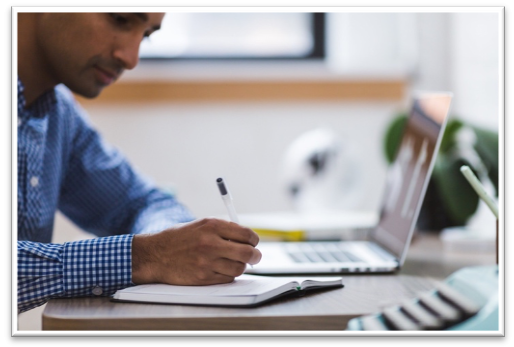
(320, 253)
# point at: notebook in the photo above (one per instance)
(245, 291)
(407, 179)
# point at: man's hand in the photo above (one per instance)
(206, 251)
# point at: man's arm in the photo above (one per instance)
(202, 252)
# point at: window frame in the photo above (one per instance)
(318, 52)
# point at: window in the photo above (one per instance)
(237, 36)
(269, 56)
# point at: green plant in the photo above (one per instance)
(450, 200)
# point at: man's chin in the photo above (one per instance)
(87, 93)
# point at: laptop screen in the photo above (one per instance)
(408, 176)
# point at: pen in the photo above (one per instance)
(479, 188)
(227, 199)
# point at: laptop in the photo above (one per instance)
(386, 247)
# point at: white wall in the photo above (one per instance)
(475, 61)
(458, 52)
(187, 146)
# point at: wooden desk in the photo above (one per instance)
(327, 310)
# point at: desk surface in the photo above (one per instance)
(329, 309)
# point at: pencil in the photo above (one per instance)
(479, 188)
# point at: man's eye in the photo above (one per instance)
(119, 18)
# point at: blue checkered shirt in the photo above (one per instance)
(63, 164)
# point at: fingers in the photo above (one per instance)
(240, 252)
(228, 267)
(233, 241)
(230, 231)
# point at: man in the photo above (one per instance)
(64, 164)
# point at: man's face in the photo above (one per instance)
(89, 51)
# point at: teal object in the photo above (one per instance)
(481, 285)
(478, 284)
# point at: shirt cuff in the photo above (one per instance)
(97, 266)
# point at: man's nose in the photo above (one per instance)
(127, 52)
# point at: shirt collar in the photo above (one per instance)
(40, 108)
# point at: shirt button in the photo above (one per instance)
(97, 290)
(19, 121)
(34, 181)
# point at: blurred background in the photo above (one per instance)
(228, 94)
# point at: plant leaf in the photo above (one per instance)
(449, 137)
(393, 136)
(487, 148)
(459, 198)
